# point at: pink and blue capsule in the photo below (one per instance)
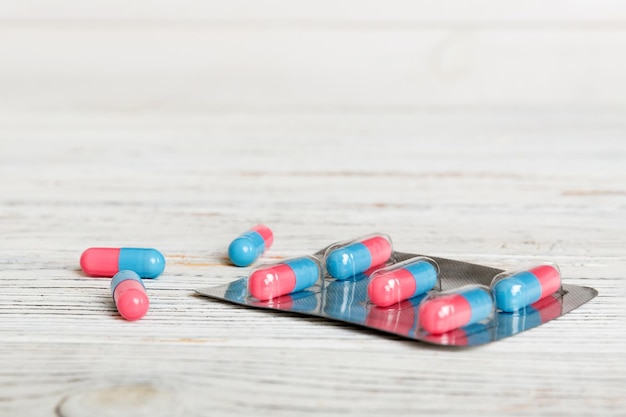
(106, 262)
(349, 259)
(449, 310)
(401, 281)
(286, 277)
(516, 290)
(246, 248)
(129, 295)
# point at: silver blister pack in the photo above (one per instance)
(347, 301)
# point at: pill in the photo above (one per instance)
(514, 291)
(402, 281)
(129, 295)
(284, 278)
(442, 312)
(106, 262)
(246, 248)
(349, 260)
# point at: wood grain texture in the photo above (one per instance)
(178, 127)
(393, 11)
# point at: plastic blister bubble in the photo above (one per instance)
(348, 259)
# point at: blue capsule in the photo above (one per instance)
(106, 262)
(284, 278)
(349, 260)
(516, 291)
(245, 249)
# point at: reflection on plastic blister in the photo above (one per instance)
(399, 319)
(535, 314)
(347, 301)
(300, 302)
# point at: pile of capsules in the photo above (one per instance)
(389, 282)
(128, 266)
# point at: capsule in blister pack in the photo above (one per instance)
(286, 277)
(448, 310)
(401, 281)
(348, 259)
(514, 290)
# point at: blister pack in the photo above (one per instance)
(435, 300)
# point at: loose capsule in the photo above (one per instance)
(106, 262)
(402, 281)
(514, 291)
(349, 260)
(129, 295)
(442, 312)
(245, 249)
(284, 278)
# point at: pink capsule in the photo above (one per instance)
(245, 249)
(350, 259)
(402, 281)
(129, 295)
(442, 312)
(284, 278)
(106, 262)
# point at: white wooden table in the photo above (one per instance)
(485, 133)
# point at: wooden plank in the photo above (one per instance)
(470, 130)
(196, 70)
(63, 347)
(188, 184)
(345, 11)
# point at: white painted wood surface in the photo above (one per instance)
(471, 130)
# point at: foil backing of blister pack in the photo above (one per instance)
(346, 301)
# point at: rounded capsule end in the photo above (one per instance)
(340, 265)
(272, 282)
(155, 264)
(242, 251)
(133, 304)
(509, 294)
(442, 314)
(382, 292)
